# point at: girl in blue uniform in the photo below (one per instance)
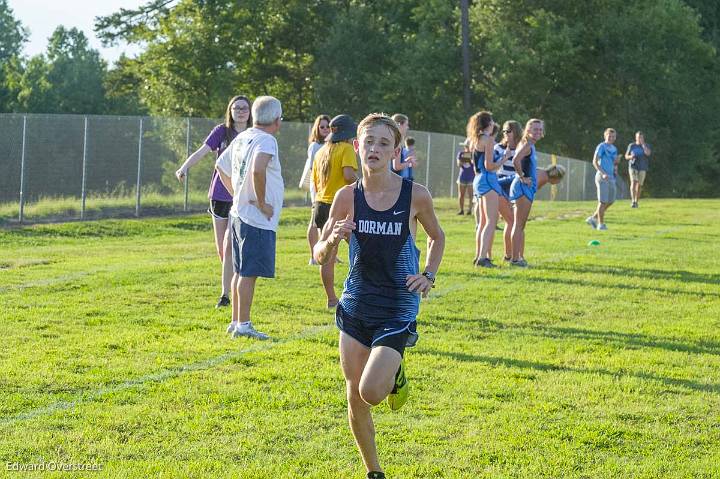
(378, 216)
(512, 132)
(524, 186)
(486, 186)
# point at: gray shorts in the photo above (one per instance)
(606, 189)
(253, 250)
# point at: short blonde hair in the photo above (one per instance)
(374, 119)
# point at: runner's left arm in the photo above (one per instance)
(425, 214)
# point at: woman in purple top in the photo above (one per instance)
(466, 175)
(237, 119)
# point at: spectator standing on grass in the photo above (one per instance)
(505, 152)
(605, 161)
(335, 166)
(638, 155)
(405, 162)
(237, 119)
(466, 175)
(319, 131)
(250, 170)
(480, 131)
(524, 187)
(376, 316)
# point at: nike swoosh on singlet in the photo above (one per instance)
(398, 212)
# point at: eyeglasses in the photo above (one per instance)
(507, 131)
(240, 108)
(324, 127)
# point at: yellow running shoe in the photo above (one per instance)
(399, 394)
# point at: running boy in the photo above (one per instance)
(378, 216)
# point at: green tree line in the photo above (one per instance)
(648, 65)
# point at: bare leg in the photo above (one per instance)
(227, 262)
(637, 193)
(353, 357)
(600, 214)
(327, 274)
(468, 195)
(522, 211)
(235, 298)
(479, 225)
(506, 212)
(245, 292)
(490, 216)
(313, 235)
(461, 196)
(221, 228)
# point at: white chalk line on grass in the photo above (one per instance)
(121, 266)
(159, 376)
(258, 347)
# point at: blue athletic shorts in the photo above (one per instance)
(392, 333)
(253, 250)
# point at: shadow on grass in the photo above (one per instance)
(629, 339)
(670, 275)
(618, 286)
(545, 367)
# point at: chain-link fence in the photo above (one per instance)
(84, 167)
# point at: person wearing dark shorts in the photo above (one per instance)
(335, 166)
(237, 120)
(377, 312)
(466, 175)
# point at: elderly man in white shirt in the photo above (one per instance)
(250, 170)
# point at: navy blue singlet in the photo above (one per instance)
(382, 255)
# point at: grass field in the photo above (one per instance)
(597, 362)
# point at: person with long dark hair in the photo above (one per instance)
(237, 119)
(480, 129)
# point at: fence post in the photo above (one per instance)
(187, 174)
(83, 193)
(567, 195)
(139, 171)
(452, 167)
(427, 166)
(22, 172)
(584, 179)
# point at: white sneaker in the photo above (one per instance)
(602, 226)
(231, 327)
(591, 221)
(247, 330)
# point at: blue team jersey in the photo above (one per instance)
(640, 162)
(607, 153)
(529, 166)
(486, 181)
(382, 255)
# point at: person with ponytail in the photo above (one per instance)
(480, 129)
(334, 167)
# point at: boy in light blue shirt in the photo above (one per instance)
(605, 161)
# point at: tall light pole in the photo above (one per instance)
(465, 27)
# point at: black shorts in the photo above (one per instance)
(220, 209)
(394, 334)
(320, 214)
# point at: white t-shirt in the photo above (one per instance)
(238, 161)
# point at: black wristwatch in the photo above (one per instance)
(430, 276)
